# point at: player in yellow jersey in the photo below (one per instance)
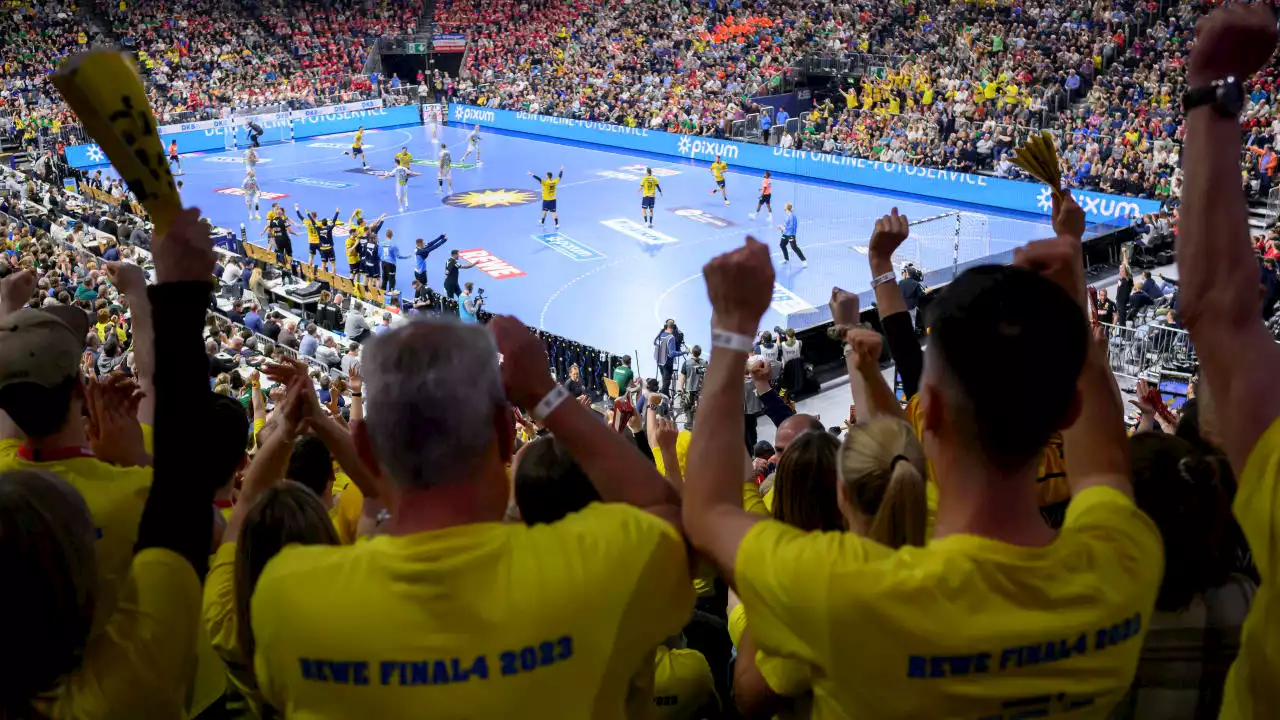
(403, 158)
(717, 170)
(357, 147)
(312, 225)
(549, 186)
(648, 184)
(355, 235)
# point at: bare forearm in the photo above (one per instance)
(343, 450)
(1218, 284)
(714, 478)
(872, 396)
(888, 295)
(616, 468)
(1096, 446)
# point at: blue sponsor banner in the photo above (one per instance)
(306, 124)
(950, 185)
(569, 247)
(317, 183)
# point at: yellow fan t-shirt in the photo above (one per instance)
(480, 620)
(1252, 690)
(115, 496)
(221, 623)
(682, 685)
(142, 666)
(966, 627)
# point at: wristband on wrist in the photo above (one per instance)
(356, 394)
(731, 341)
(879, 280)
(550, 402)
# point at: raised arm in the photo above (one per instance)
(1219, 298)
(615, 467)
(176, 516)
(437, 243)
(889, 234)
(128, 278)
(740, 284)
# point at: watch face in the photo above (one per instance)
(1230, 100)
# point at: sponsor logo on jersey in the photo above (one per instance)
(569, 247)
(326, 184)
(644, 234)
(338, 146)
(490, 264)
(262, 195)
(788, 303)
(700, 216)
(491, 198)
(233, 159)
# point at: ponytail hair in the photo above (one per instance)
(882, 470)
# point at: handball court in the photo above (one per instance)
(605, 279)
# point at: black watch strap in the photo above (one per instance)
(1198, 96)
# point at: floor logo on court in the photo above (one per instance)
(490, 264)
(705, 218)
(317, 183)
(646, 235)
(569, 247)
(337, 146)
(232, 159)
(492, 198)
(452, 166)
(240, 192)
(370, 171)
(786, 302)
(657, 171)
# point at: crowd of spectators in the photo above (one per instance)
(433, 522)
(953, 85)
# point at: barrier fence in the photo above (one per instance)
(1147, 350)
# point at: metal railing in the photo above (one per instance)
(1138, 352)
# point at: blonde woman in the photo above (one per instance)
(881, 494)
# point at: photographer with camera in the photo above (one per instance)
(472, 302)
(692, 373)
(913, 290)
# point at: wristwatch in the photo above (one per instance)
(1225, 96)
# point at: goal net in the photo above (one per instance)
(945, 244)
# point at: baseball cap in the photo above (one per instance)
(42, 347)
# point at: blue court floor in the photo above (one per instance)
(605, 279)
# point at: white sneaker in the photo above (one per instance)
(786, 261)
(804, 263)
(770, 217)
(726, 202)
(751, 215)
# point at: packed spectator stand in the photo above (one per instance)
(973, 551)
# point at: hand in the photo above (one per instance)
(760, 375)
(1235, 40)
(891, 230)
(1068, 218)
(866, 346)
(524, 362)
(354, 381)
(665, 434)
(127, 277)
(740, 284)
(759, 466)
(114, 433)
(185, 253)
(255, 378)
(16, 289)
(845, 308)
(288, 372)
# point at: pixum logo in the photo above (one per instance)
(647, 236)
(569, 247)
(317, 183)
(1111, 208)
(466, 114)
(698, 148)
